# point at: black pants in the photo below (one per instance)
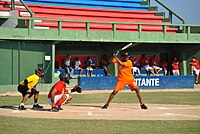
(24, 91)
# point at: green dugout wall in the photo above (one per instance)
(19, 59)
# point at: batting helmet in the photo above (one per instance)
(125, 55)
(64, 77)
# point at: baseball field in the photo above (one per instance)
(169, 111)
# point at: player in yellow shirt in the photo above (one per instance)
(125, 77)
(28, 88)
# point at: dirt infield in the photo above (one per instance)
(114, 112)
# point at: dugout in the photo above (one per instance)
(20, 58)
(184, 52)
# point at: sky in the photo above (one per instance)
(189, 10)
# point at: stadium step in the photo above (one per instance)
(153, 8)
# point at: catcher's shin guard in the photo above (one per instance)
(60, 102)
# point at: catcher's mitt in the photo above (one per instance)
(76, 89)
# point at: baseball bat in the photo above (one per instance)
(125, 47)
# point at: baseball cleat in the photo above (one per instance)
(37, 106)
(60, 108)
(54, 109)
(21, 107)
(105, 106)
(143, 106)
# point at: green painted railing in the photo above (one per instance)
(171, 13)
(27, 8)
(87, 24)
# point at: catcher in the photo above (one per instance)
(59, 95)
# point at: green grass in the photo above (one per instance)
(60, 126)
(181, 98)
(9, 125)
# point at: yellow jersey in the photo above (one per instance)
(32, 81)
(124, 72)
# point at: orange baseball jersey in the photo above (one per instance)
(32, 81)
(124, 72)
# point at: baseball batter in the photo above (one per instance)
(125, 77)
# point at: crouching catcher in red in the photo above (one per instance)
(59, 95)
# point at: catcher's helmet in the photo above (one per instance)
(64, 77)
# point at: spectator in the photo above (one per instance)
(195, 68)
(68, 65)
(104, 64)
(175, 67)
(135, 69)
(164, 66)
(154, 64)
(89, 68)
(77, 65)
(145, 64)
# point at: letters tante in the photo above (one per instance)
(147, 81)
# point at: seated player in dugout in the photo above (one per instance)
(59, 95)
(154, 64)
(28, 88)
(146, 65)
(77, 65)
(125, 77)
(88, 65)
(104, 62)
(135, 69)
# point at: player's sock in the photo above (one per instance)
(35, 103)
(60, 102)
(22, 104)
